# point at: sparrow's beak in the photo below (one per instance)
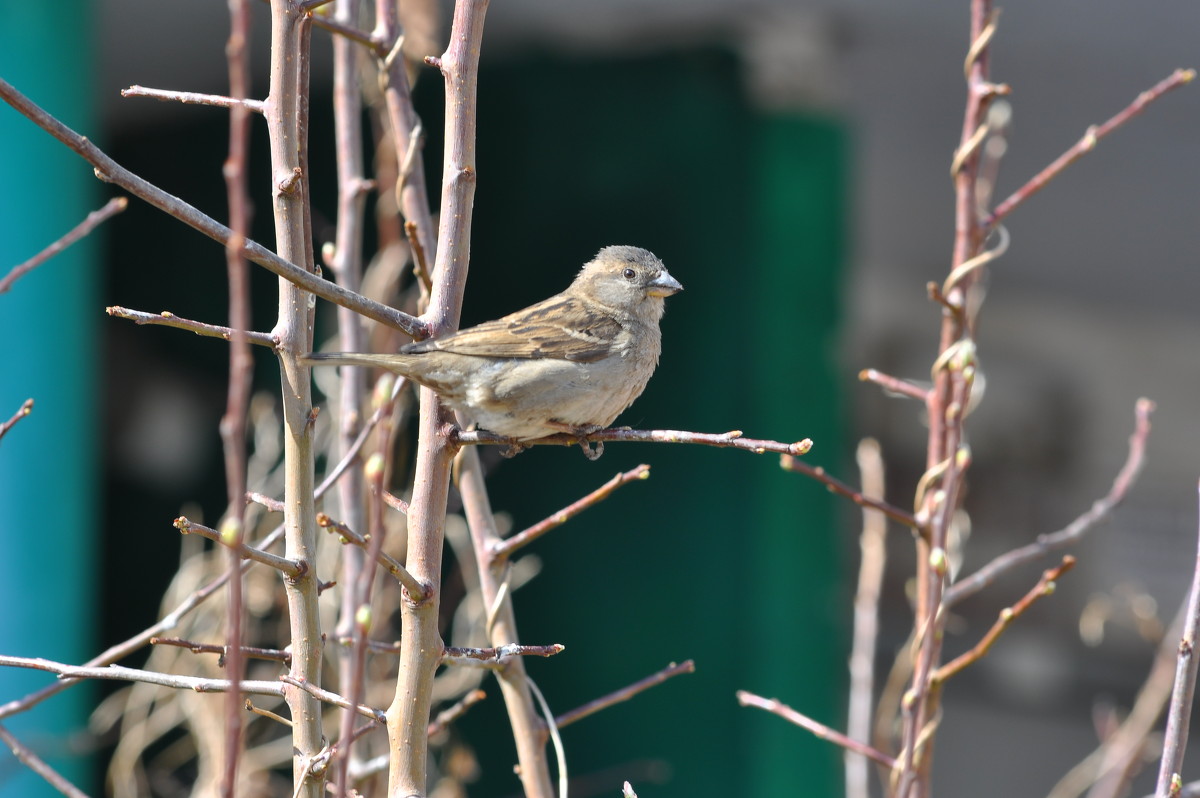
(663, 285)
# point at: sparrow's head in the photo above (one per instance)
(629, 279)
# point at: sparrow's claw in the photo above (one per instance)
(512, 450)
(591, 452)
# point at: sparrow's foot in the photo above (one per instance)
(512, 450)
(591, 452)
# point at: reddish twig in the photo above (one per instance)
(1071, 533)
(506, 547)
(1044, 587)
(194, 98)
(625, 693)
(455, 711)
(789, 463)
(1086, 144)
(25, 409)
(894, 384)
(168, 319)
(283, 564)
(273, 654)
(1179, 711)
(111, 208)
(29, 759)
(818, 729)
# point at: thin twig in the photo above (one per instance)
(894, 384)
(29, 759)
(119, 673)
(1044, 587)
(111, 208)
(168, 319)
(835, 485)
(1179, 712)
(25, 409)
(625, 693)
(336, 700)
(732, 439)
(1086, 144)
(283, 564)
(416, 590)
(524, 538)
(455, 711)
(1071, 533)
(109, 170)
(819, 729)
(194, 98)
(253, 652)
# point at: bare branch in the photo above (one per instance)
(1071, 533)
(117, 673)
(25, 409)
(495, 657)
(835, 485)
(283, 564)
(732, 439)
(894, 384)
(272, 654)
(1044, 587)
(1088, 143)
(625, 693)
(416, 590)
(376, 715)
(819, 729)
(1179, 712)
(95, 218)
(455, 711)
(527, 536)
(168, 319)
(39, 766)
(194, 98)
(109, 170)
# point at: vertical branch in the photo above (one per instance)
(1170, 778)
(947, 460)
(241, 365)
(523, 716)
(873, 545)
(346, 262)
(402, 117)
(408, 715)
(286, 110)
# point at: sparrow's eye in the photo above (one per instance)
(629, 274)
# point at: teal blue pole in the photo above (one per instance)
(49, 513)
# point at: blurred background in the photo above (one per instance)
(789, 161)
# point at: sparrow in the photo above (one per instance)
(570, 363)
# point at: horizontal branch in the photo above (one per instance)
(283, 564)
(732, 439)
(818, 729)
(835, 485)
(625, 693)
(1044, 587)
(194, 98)
(169, 319)
(1088, 143)
(25, 409)
(504, 548)
(109, 170)
(894, 384)
(111, 208)
(494, 657)
(1069, 534)
(253, 652)
(119, 673)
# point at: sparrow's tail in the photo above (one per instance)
(343, 359)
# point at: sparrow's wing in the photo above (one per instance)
(561, 327)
